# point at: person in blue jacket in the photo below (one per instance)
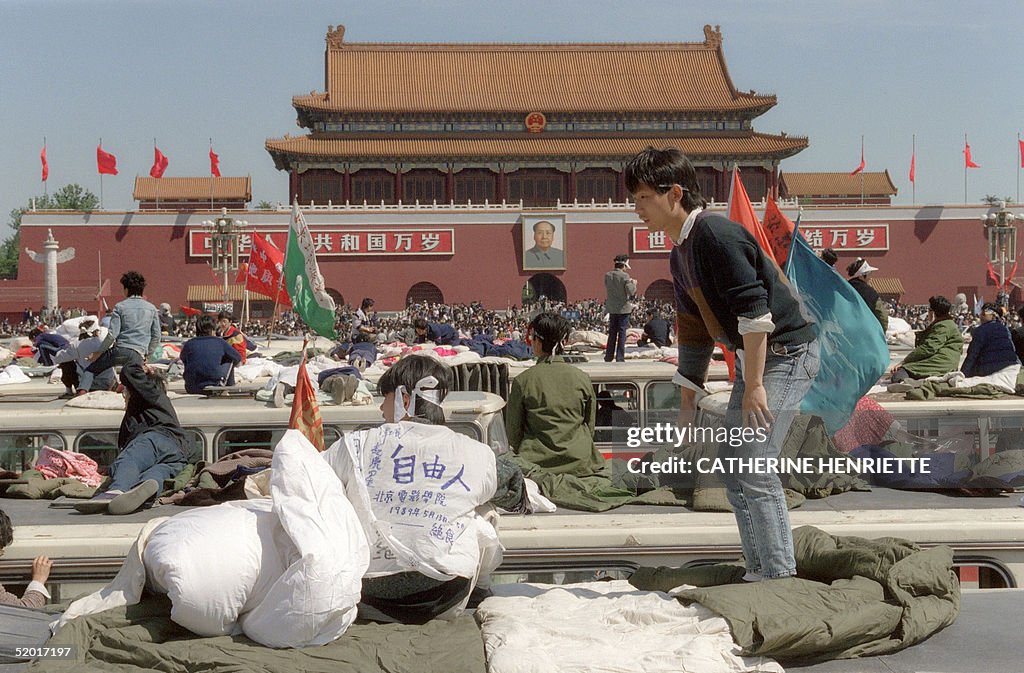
(991, 348)
(439, 333)
(209, 360)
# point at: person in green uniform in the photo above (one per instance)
(552, 408)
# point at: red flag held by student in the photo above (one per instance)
(742, 211)
(46, 164)
(266, 265)
(189, 311)
(968, 162)
(159, 163)
(106, 163)
(305, 411)
(243, 273)
(780, 232)
(214, 164)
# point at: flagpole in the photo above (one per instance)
(46, 182)
(212, 179)
(965, 169)
(280, 284)
(1020, 161)
(913, 158)
(862, 172)
(157, 182)
(101, 180)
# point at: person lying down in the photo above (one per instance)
(391, 517)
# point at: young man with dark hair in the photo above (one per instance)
(656, 330)
(208, 359)
(134, 328)
(937, 348)
(729, 290)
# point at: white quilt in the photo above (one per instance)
(605, 627)
(285, 571)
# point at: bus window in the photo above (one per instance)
(496, 436)
(662, 402)
(617, 410)
(467, 429)
(101, 446)
(19, 451)
(238, 439)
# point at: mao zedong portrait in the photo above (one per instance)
(543, 254)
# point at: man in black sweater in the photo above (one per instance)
(153, 446)
(729, 290)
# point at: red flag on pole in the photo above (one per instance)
(861, 167)
(992, 274)
(1006, 281)
(159, 163)
(46, 164)
(214, 164)
(913, 158)
(742, 211)
(1021, 143)
(266, 265)
(968, 162)
(189, 311)
(305, 415)
(106, 163)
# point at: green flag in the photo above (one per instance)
(303, 281)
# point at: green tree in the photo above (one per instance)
(993, 200)
(266, 205)
(68, 197)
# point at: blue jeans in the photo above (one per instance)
(757, 496)
(617, 324)
(112, 357)
(151, 455)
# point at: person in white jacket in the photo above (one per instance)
(416, 486)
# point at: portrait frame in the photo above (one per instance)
(536, 258)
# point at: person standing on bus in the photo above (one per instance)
(728, 289)
(621, 290)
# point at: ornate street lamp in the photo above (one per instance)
(225, 237)
(1001, 229)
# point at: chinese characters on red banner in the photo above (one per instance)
(839, 237)
(349, 242)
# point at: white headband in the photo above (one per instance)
(425, 388)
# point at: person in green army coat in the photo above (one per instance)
(552, 408)
(938, 347)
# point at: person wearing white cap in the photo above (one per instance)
(166, 319)
(621, 291)
(858, 272)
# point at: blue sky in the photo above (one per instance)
(187, 71)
